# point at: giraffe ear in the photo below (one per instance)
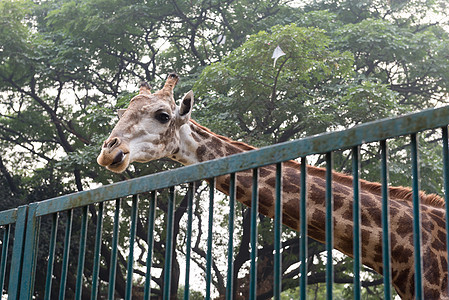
(120, 113)
(186, 105)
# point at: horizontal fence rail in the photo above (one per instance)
(73, 222)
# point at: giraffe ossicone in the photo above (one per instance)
(153, 127)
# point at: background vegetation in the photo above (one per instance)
(66, 66)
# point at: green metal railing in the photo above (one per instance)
(14, 217)
(26, 219)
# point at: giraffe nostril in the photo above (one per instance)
(113, 143)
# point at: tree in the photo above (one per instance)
(63, 64)
(309, 85)
(389, 74)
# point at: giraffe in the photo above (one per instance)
(153, 127)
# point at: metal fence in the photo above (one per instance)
(26, 220)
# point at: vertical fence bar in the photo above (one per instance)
(30, 253)
(277, 234)
(209, 238)
(386, 248)
(189, 239)
(303, 230)
(416, 217)
(446, 182)
(151, 218)
(253, 255)
(113, 263)
(97, 252)
(66, 254)
(81, 254)
(51, 255)
(329, 227)
(169, 244)
(5, 244)
(357, 220)
(16, 260)
(132, 239)
(230, 276)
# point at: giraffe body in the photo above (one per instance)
(144, 133)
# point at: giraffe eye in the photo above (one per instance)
(163, 117)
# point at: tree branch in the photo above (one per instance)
(12, 185)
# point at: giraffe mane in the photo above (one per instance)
(239, 145)
(397, 193)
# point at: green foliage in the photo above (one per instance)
(309, 85)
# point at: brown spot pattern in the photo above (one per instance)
(200, 152)
(212, 146)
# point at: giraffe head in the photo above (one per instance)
(148, 129)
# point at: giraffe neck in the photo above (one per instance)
(199, 144)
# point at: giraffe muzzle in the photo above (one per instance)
(114, 155)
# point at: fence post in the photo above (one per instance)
(16, 260)
(416, 218)
(190, 195)
(277, 289)
(30, 253)
(97, 251)
(329, 227)
(132, 239)
(81, 254)
(209, 238)
(151, 217)
(386, 243)
(5, 244)
(51, 255)
(303, 230)
(254, 235)
(169, 244)
(446, 180)
(115, 237)
(357, 221)
(66, 254)
(232, 197)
